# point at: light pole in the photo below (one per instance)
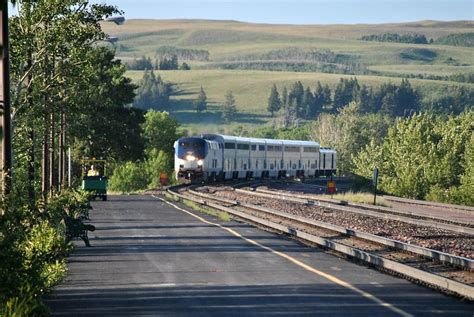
(5, 100)
(117, 20)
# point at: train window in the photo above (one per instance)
(324, 161)
(282, 164)
(235, 164)
(229, 145)
(196, 145)
(261, 147)
(241, 146)
(270, 148)
(256, 164)
(220, 146)
(278, 148)
(254, 147)
(265, 164)
(332, 161)
(271, 166)
(292, 149)
(311, 149)
(299, 163)
(250, 164)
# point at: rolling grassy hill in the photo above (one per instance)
(257, 50)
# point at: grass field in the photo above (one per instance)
(224, 39)
(240, 42)
(251, 90)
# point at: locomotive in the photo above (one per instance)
(216, 157)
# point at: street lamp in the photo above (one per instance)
(112, 40)
(117, 20)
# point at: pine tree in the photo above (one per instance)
(406, 99)
(296, 94)
(152, 92)
(322, 99)
(274, 102)
(174, 62)
(307, 104)
(230, 109)
(284, 97)
(346, 91)
(326, 96)
(364, 100)
(200, 104)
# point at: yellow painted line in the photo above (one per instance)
(299, 263)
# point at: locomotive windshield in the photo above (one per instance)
(194, 147)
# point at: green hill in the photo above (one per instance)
(248, 58)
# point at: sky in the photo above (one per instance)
(299, 11)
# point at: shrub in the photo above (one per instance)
(129, 177)
(157, 163)
(419, 54)
(33, 248)
(26, 304)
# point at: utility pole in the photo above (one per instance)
(5, 100)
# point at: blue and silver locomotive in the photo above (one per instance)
(221, 157)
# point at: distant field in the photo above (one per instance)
(226, 39)
(432, 29)
(440, 70)
(251, 90)
(248, 47)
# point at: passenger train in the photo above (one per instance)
(215, 157)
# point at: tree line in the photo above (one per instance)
(425, 157)
(67, 92)
(168, 62)
(455, 39)
(414, 38)
(301, 102)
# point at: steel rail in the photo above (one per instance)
(378, 214)
(464, 209)
(368, 207)
(455, 287)
(429, 253)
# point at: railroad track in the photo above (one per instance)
(466, 209)
(363, 209)
(445, 271)
(455, 225)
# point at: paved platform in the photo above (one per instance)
(151, 259)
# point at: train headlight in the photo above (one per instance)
(200, 162)
(190, 158)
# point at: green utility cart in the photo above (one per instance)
(94, 177)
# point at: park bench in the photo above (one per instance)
(76, 228)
